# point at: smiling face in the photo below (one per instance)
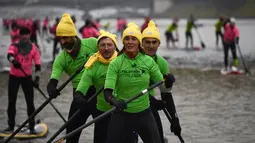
(131, 44)
(150, 46)
(106, 47)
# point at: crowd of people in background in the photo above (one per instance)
(91, 29)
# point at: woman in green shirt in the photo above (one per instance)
(95, 74)
(128, 75)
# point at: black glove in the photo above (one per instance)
(169, 80)
(175, 126)
(237, 40)
(51, 88)
(79, 100)
(120, 104)
(36, 82)
(157, 104)
(16, 64)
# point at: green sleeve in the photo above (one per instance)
(163, 65)
(169, 28)
(92, 42)
(111, 75)
(165, 69)
(58, 67)
(216, 24)
(95, 44)
(155, 73)
(85, 82)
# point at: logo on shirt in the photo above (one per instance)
(137, 72)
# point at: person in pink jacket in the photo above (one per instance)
(14, 33)
(121, 25)
(21, 22)
(29, 23)
(56, 39)
(45, 26)
(145, 24)
(231, 38)
(21, 56)
(88, 30)
(6, 24)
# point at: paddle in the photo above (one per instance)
(247, 72)
(43, 105)
(107, 113)
(72, 118)
(46, 98)
(200, 39)
(170, 119)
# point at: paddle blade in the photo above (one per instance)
(203, 45)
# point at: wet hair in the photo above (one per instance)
(73, 18)
(24, 30)
(88, 22)
(14, 25)
(57, 19)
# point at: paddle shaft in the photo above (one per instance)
(200, 38)
(241, 55)
(42, 106)
(60, 115)
(52, 105)
(170, 120)
(72, 117)
(107, 113)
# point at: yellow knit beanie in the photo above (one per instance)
(109, 35)
(151, 31)
(66, 26)
(132, 30)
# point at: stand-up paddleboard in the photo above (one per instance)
(232, 72)
(196, 48)
(41, 130)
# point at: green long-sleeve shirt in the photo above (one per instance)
(172, 27)
(189, 26)
(128, 77)
(96, 76)
(163, 67)
(218, 25)
(65, 63)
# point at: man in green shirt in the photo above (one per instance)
(76, 52)
(151, 43)
(128, 75)
(218, 32)
(95, 74)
